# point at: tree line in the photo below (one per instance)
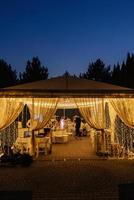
(34, 70)
(118, 74)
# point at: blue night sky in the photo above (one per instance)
(66, 34)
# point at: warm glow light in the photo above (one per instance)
(62, 123)
(66, 103)
(63, 103)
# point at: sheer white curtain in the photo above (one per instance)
(41, 111)
(93, 111)
(124, 108)
(10, 108)
(112, 114)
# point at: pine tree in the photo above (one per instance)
(97, 71)
(116, 75)
(34, 71)
(8, 76)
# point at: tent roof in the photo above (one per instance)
(65, 86)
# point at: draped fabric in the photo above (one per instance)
(124, 108)
(113, 115)
(93, 111)
(10, 108)
(41, 111)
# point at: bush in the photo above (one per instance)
(17, 159)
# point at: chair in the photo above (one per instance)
(23, 144)
(42, 146)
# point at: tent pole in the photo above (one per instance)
(32, 138)
(103, 130)
(64, 113)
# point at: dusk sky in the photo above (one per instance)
(66, 34)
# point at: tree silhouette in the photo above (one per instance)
(97, 71)
(119, 74)
(34, 71)
(116, 75)
(66, 73)
(123, 75)
(123, 72)
(8, 76)
(130, 71)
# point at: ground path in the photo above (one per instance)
(72, 172)
(84, 179)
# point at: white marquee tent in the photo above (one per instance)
(45, 96)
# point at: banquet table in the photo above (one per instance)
(60, 136)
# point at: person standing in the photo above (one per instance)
(77, 126)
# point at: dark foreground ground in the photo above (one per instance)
(70, 179)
